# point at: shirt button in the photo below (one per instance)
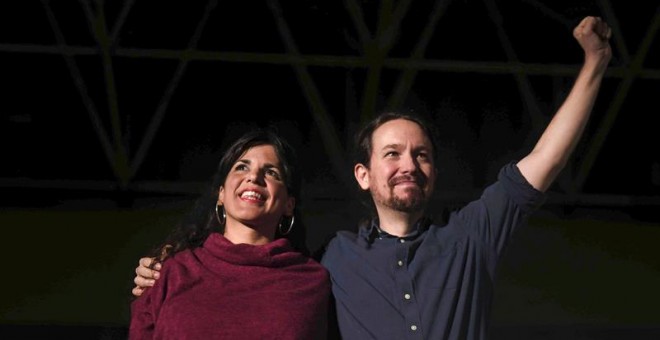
(402, 240)
(406, 296)
(413, 328)
(400, 263)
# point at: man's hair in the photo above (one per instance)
(364, 142)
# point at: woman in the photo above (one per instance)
(237, 267)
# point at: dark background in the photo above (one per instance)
(114, 114)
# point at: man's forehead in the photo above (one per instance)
(399, 133)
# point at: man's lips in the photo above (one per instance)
(407, 181)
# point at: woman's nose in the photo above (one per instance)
(254, 176)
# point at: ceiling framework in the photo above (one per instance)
(375, 45)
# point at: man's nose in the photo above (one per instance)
(408, 164)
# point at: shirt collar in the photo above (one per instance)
(370, 230)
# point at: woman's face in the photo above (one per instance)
(254, 193)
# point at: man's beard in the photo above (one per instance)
(414, 202)
(415, 199)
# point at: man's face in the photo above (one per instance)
(401, 174)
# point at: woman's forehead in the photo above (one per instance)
(264, 152)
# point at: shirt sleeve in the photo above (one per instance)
(142, 321)
(502, 208)
(145, 309)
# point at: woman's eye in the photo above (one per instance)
(273, 173)
(240, 167)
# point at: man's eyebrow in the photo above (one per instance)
(423, 148)
(391, 146)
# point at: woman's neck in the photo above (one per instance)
(238, 233)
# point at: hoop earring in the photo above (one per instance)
(288, 230)
(217, 216)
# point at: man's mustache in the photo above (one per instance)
(417, 179)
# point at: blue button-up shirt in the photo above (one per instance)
(436, 282)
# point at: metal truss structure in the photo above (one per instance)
(374, 28)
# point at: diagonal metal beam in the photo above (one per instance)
(82, 89)
(524, 86)
(526, 90)
(617, 35)
(389, 22)
(329, 134)
(355, 12)
(606, 124)
(97, 27)
(554, 15)
(157, 119)
(407, 76)
(374, 54)
(368, 52)
(121, 19)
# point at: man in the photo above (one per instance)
(403, 277)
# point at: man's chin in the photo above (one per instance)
(409, 203)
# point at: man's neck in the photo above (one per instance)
(397, 223)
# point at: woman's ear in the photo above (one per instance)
(221, 196)
(290, 206)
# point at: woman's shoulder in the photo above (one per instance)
(178, 261)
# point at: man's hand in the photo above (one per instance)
(593, 35)
(147, 273)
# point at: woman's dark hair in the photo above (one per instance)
(201, 221)
(363, 145)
